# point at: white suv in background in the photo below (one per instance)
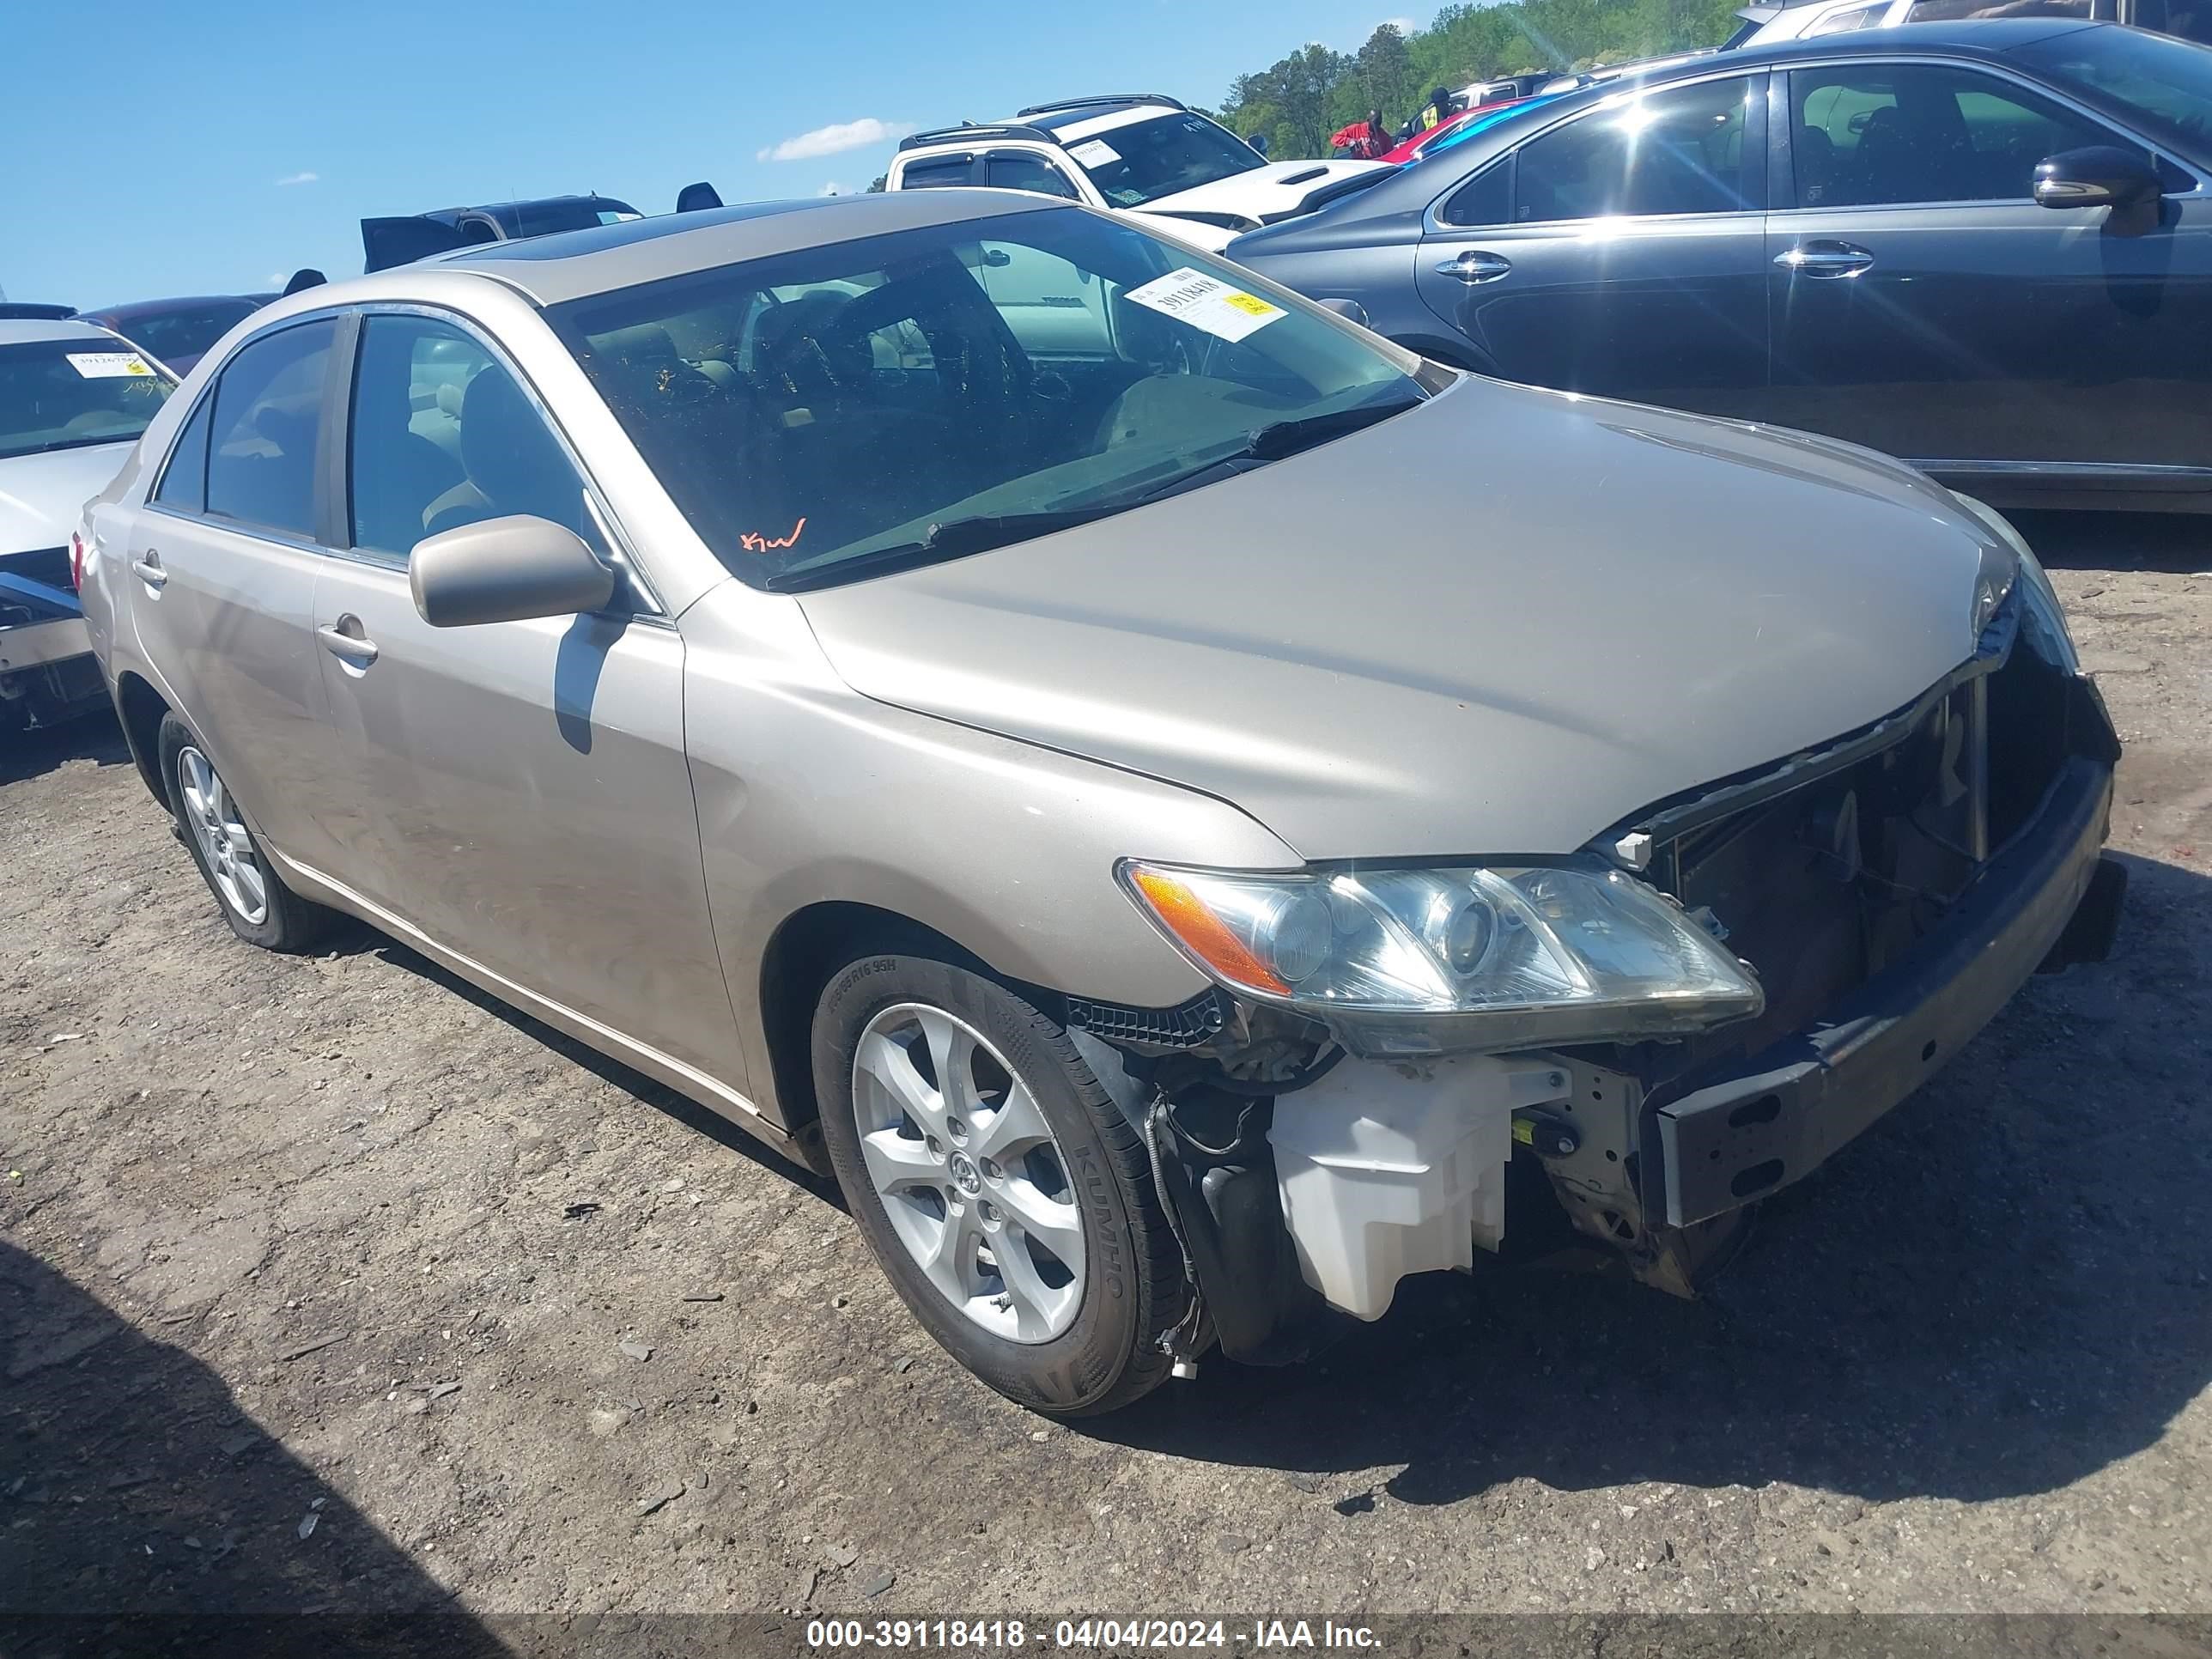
(1139, 153)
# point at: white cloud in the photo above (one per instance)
(277, 279)
(836, 136)
(833, 188)
(297, 178)
(1403, 25)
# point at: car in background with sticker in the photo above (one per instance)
(177, 332)
(74, 398)
(1000, 754)
(1139, 153)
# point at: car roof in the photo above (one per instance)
(1053, 118)
(1971, 36)
(571, 265)
(24, 331)
(1065, 121)
(132, 309)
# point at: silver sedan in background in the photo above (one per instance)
(1164, 795)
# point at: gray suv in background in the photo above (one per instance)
(1001, 763)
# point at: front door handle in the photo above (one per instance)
(147, 567)
(1823, 259)
(1476, 265)
(346, 639)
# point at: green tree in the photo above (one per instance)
(1385, 75)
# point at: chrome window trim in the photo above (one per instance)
(239, 527)
(619, 541)
(1433, 223)
(1999, 72)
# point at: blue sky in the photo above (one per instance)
(213, 147)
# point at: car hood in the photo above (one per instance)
(1498, 623)
(42, 498)
(1277, 188)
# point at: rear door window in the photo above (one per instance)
(267, 425)
(1679, 150)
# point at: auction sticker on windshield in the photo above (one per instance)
(1095, 153)
(109, 365)
(1207, 302)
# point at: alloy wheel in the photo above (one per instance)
(971, 1179)
(212, 817)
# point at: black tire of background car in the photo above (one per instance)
(292, 924)
(1136, 1288)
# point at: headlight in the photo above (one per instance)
(1508, 955)
(2046, 617)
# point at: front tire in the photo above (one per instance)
(1005, 1193)
(253, 899)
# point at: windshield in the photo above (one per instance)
(1149, 159)
(934, 392)
(181, 335)
(2165, 83)
(521, 219)
(71, 394)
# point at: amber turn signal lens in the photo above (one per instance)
(1202, 932)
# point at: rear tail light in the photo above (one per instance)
(76, 560)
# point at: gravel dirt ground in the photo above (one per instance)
(327, 1282)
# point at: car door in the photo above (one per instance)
(520, 794)
(225, 555)
(1619, 252)
(1923, 303)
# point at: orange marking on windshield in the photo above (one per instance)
(753, 542)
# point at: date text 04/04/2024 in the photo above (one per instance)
(923, 1634)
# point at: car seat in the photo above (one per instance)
(512, 461)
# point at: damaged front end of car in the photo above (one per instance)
(1693, 1012)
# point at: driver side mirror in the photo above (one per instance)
(1259, 141)
(2102, 175)
(506, 570)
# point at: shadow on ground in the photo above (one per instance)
(93, 737)
(2118, 541)
(2000, 1290)
(359, 938)
(144, 1511)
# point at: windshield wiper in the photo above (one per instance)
(1273, 441)
(954, 538)
(77, 443)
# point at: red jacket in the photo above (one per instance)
(1363, 141)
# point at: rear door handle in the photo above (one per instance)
(353, 647)
(1476, 265)
(148, 568)
(1825, 259)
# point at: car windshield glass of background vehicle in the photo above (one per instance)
(1148, 159)
(812, 412)
(71, 394)
(2165, 83)
(188, 330)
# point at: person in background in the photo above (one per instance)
(1363, 141)
(1440, 106)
